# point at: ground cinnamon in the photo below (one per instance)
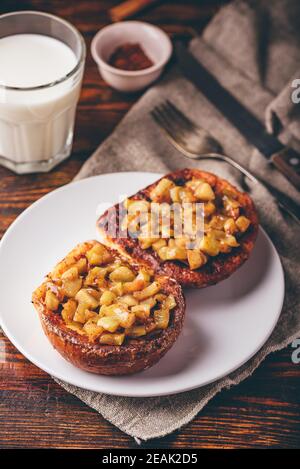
(131, 57)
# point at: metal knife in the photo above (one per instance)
(286, 160)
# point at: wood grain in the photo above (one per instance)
(129, 8)
(263, 411)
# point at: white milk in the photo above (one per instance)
(36, 125)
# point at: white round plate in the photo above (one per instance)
(225, 324)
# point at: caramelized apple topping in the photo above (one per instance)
(224, 222)
(104, 298)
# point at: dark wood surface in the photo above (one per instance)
(263, 411)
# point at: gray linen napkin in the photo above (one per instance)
(229, 49)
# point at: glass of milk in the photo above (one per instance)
(41, 67)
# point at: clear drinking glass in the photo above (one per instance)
(36, 123)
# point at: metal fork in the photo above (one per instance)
(198, 144)
(194, 142)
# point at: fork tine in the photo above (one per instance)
(164, 124)
(161, 121)
(175, 129)
(179, 117)
(164, 109)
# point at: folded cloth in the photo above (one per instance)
(229, 48)
(283, 112)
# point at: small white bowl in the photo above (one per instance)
(152, 39)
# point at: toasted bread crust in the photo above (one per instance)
(133, 356)
(217, 268)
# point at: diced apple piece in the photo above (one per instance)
(182, 194)
(161, 318)
(149, 301)
(119, 312)
(107, 298)
(243, 223)
(159, 244)
(161, 191)
(52, 302)
(140, 282)
(172, 253)
(91, 316)
(81, 265)
(102, 283)
(209, 209)
(230, 226)
(110, 324)
(98, 255)
(102, 310)
(118, 288)
(150, 290)
(194, 183)
(138, 206)
(111, 339)
(68, 310)
(175, 194)
(62, 266)
(79, 315)
(125, 318)
(122, 274)
(171, 243)
(146, 243)
(217, 222)
(163, 253)
(170, 302)
(182, 241)
(187, 196)
(141, 311)
(88, 297)
(136, 331)
(217, 234)
(144, 275)
(224, 248)
(232, 206)
(93, 330)
(231, 241)
(231, 201)
(205, 192)
(70, 274)
(209, 245)
(128, 300)
(71, 287)
(93, 276)
(196, 258)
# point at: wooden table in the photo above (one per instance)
(263, 411)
